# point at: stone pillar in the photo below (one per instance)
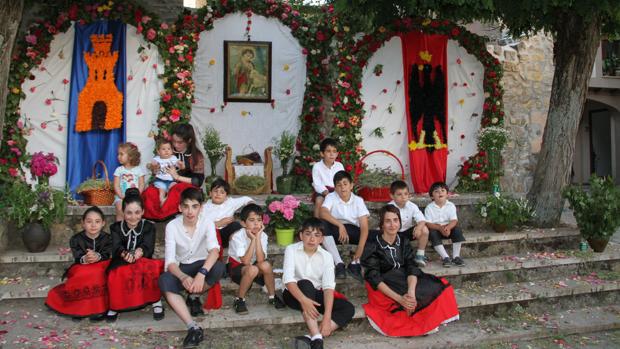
(614, 123)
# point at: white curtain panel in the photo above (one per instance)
(245, 126)
(52, 84)
(465, 99)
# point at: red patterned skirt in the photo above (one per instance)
(84, 293)
(133, 286)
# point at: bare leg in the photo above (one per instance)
(317, 205)
(119, 211)
(422, 236)
(178, 305)
(313, 325)
(265, 269)
(248, 274)
(162, 196)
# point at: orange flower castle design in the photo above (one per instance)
(100, 104)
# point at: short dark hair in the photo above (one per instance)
(313, 223)
(220, 183)
(94, 209)
(340, 175)
(397, 185)
(161, 141)
(437, 185)
(132, 195)
(384, 210)
(249, 208)
(192, 194)
(326, 143)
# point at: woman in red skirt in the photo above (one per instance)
(403, 301)
(133, 274)
(84, 294)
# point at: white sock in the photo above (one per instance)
(316, 336)
(456, 249)
(441, 250)
(330, 245)
(420, 252)
(192, 324)
(158, 307)
(357, 261)
(111, 313)
(272, 297)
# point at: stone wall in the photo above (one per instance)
(528, 76)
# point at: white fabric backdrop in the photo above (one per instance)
(142, 99)
(463, 101)
(261, 122)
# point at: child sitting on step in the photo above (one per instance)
(248, 258)
(310, 286)
(442, 221)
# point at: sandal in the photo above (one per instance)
(159, 315)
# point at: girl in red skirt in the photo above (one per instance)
(403, 301)
(84, 294)
(133, 274)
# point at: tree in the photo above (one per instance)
(10, 17)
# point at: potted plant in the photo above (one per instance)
(596, 209)
(249, 185)
(285, 215)
(33, 208)
(215, 150)
(504, 212)
(374, 184)
(284, 149)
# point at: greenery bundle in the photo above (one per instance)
(249, 185)
(23, 204)
(284, 149)
(214, 148)
(504, 211)
(377, 178)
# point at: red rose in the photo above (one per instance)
(348, 168)
(320, 36)
(455, 31)
(13, 172)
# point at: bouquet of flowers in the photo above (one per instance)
(285, 149)
(214, 148)
(287, 213)
(43, 165)
(504, 212)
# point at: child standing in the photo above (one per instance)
(221, 208)
(165, 160)
(191, 262)
(84, 293)
(248, 258)
(346, 219)
(410, 214)
(128, 175)
(323, 173)
(442, 222)
(310, 283)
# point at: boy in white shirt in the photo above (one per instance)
(310, 283)
(410, 214)
(323, 173)
(247, 261)
(191, 262)
(221, 209)
(442, 222)
(346, 219)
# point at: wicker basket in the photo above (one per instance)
(377, 194)
(103, 196)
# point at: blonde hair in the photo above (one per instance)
(132, 153)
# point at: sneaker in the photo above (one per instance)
(458, 261)
(355, 270)
(316, 344)
(193, 338)
(194, 305)
(447, 262)
(302, 342)
(277, 302)
(240, 307)
(340, 271)
(419, 261)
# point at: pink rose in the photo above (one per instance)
(151, 34)
(164, 26)
(275, 206)
(266, 219)
(31, 39)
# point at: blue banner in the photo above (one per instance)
(85, 148)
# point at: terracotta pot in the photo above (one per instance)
(499, 228)
(35, 237)
(598, 245)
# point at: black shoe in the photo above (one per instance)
(277, 302)
(447, 262)
(316, 344)
(355, 270)
(194, 305)
(341, 272)
(240, 307)
(193, 338)
(303, 342)
(111, 318)
(159, 315)
(458, 261)
(97, 318)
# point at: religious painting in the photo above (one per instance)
(247, 71)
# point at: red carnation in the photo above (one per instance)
(455, 31)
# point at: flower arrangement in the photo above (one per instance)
(474, 174)
(284, 149)
(43, 165)
(377, 178)
(285, 213)
(214, 148)
(492, 138)
(505, 212)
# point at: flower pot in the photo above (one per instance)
(598, 245)
(285, 237)
(35, 237)
(285, 184)
(499, 228)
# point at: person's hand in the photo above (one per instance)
(91, 256)
(445, 231)
(343, 236)
(224, 222)
(181, 165)
(154, 166)
(251, 234)
(138, 254)
(128, 257)
(187, 282)
(412, 302)
(198, 284)
(326, 327)
(308, 306)
(171, 170)
(406, 302)
(358, 254)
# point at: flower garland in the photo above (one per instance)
(33, 48)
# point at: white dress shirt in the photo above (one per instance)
(181, 248)
(440, 215)
(346, 212)
(318, 268)
(239, 243)
(409, 215)
(226, 208)
(323, 176)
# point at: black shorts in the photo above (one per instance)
(456, 235)
(170, 283)
(235, 274)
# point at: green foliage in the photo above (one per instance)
(505, 210)
(92, 184)
(23, 204)
(249, 184)
(597, 208)
(492, 138)
(284, 149)
(474, 175)
(214, 148)
(377, 178)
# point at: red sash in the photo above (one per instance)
(214, 295)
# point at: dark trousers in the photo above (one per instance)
(352, 230)
(170, 283)
(456, 235)
(227, 231)
(342, 311)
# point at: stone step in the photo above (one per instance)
(477, 274)
(53, 261)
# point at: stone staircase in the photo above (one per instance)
(539, 270)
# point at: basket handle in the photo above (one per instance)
(359, 163)
(105, 172)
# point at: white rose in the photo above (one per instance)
(316, 147)
(474, 176)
